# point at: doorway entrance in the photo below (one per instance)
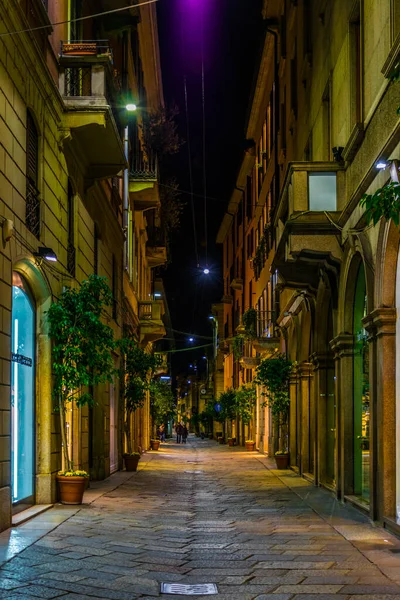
(22, 394)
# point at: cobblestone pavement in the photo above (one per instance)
(204, 513)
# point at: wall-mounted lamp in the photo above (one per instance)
(46, 253)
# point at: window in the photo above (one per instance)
(326, 122)
(114, 288)
(293, 84)
(355, 66)
(70, 232)
(96, 250)
(75, 26)
(32, 214)
(322, 191)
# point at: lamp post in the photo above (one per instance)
(130, 107)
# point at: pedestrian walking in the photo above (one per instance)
(179, 431)
(185, 433)
(162, 432)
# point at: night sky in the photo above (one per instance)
(231, 31)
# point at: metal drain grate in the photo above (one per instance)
(200, 589)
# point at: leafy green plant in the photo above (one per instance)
(159, 130)
(162, 403)
(250, 322)
(385, 202)
(227, 400)
(246, 397)
(82, 347)
(273, 374)
(237, 346)
(136, 371)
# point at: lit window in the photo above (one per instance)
(322, 191)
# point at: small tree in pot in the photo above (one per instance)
(137, 368)
(273, 374)
(82, 357)
(227, 402)
(162, 407)
(246, 397)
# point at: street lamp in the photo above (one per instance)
(131, 107)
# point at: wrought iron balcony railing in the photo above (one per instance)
(32, 209)
(266, 324)
(144, 165)
(85, 47)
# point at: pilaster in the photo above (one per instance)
(383, 394)
(323, 367)
(343, 349)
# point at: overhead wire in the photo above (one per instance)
(92, 16)
(190, 193)
(203, 102)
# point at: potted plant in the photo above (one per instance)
(231, 441)
(162, 407)
(82, 358)
(131, 461)
(246, 397)
(137, 367)
(250, 445)
(273, 374)
(282, 459)
(250, 322)
(155, 444)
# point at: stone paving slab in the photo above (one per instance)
(256, 532)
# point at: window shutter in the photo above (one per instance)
(32, 150)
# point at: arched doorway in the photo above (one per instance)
(23, 345)
(361, 394)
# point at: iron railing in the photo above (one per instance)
(266, 326)
(81, 48)
(78, 81)
(71, 256)
(144, 164)
(32, 208)
(156, 237)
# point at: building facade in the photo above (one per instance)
(75, 179)
(323, 281)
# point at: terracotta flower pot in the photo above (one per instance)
(231, 442)
(282, 461)
(71, 489)
(154, 444)
(131, 462)
(250, 446)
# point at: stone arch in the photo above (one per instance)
(41, 290)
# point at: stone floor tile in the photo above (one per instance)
(272, 536)
(309, 589)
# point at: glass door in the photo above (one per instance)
(22, 394)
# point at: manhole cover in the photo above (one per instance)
(200, 589)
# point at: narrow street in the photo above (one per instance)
(204, 513)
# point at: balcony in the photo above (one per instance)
(156, 248)
(89, 88)
(150, 321)
(163, 367)
(143, 180)
(266, 337)
(307, 237)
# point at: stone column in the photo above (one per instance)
(293, 422)
(343, 348)
(307, 416)
(323, 366)
(384, 320)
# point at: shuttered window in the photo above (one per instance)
(32, 215)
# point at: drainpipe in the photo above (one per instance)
(276, 109)
(125, 201)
